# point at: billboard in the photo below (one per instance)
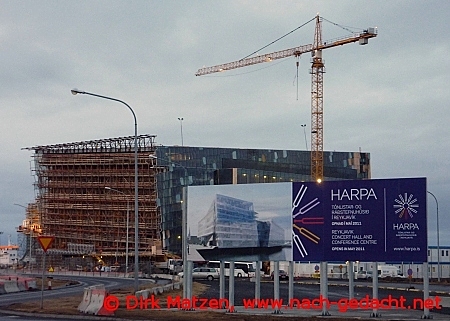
(361, 220)
(354, 220)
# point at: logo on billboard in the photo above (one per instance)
(405, 207)
(300, 232)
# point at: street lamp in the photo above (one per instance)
(181, 124)
(136, 187)
(128, 224)
(437, 228)
(304, 132)
(31, 234)
(184, 226)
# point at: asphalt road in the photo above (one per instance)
(20, 297)
(244, 289)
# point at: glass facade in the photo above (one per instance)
(180, 166)
(230, 222)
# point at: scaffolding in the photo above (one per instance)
(85, 192)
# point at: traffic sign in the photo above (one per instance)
(45, 241)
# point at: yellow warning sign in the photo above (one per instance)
(51, 269)
(45, 241)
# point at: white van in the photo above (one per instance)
(388, 271)
(384, 271)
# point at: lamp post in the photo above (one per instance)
(304, 132)
(181, 124)
(184, 232)
(31, 235)
(136, 187)
(128, 225)
(437, 228)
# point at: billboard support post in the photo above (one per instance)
(188, 279)
(184, 242)
(426, 290)
(276, 284)
(222, 283)
(291, 280)
(324, 287)
(231, 288)
(351, 280)
(375, 313)
(258, 281)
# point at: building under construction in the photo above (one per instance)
(85, 197)
(85, 192)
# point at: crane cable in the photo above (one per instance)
(343, 27)
(278, 39)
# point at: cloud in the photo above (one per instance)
(390, 97)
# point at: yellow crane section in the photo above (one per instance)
(317, 71)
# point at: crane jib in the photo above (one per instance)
(297, 51)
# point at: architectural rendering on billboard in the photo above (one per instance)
(248, 222)
(361, 220)
(352, 220)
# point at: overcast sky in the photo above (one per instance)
(389, 98)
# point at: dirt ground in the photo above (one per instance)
(69, 305)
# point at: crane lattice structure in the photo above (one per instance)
(317, 71)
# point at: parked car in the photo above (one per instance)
(105, 269)
(363, 275)
(115, 268)
(282, 275)
(369, 275)
(203, 273)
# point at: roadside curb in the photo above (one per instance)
(61, 316)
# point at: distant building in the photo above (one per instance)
(9, 255)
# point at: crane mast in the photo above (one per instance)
(317, 71)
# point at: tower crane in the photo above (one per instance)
(317, 71)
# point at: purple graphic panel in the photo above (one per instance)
(361, 220)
